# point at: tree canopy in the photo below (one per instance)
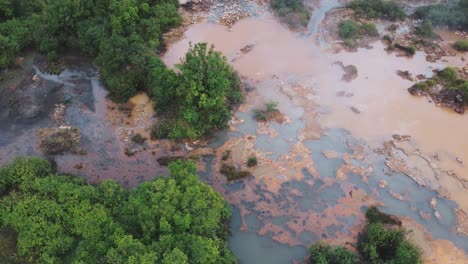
(121, 34)
(198, 98)
(62, 219)
(382, 241)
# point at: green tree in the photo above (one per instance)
(200, 102)
(175, 219)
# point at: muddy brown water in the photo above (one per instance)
(281, 60)
(317, 172)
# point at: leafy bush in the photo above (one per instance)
(348, 29)
(461, 45)
(378, 9)
(324, 254)
(451, 14)
(231, 172)
(448, 74)
(425, 30)
(369, 29)
(199, 97)
(61, 219)
(260, 115)
(380, 244)
(138, 138)
(271, 107)
(410, 50)
(373, 215)
(291, 11)
(252, 161)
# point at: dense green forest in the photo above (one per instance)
(453, 15)
(125, 37)
(62, 219)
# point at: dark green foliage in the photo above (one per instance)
(226, 155)
(453, 87)
(260, 115)
(425, 30)
(452, 14)
(324, 254)
(380, 244)
(232, 173)
(378, 9)
(198, 99)
(373, 215)
(271, 107)
(269, 113)
(61, 219)
(138, 138)
(121, 34)
(292, 12)
(350, 31)
(369, 29)
(410, 50)
(448, 74)
(252, 161)
(461, 45)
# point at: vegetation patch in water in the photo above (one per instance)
(381, 241)
(61, 140)
(231, 172)
(461, 45)
(409, 50)
(384, 9)
(252, 161)
(62, 219)
(350, 31)
(446, 88)
(293, 12)
(425, 30)
(269, 113)
(138, 138)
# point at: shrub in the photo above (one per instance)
(448, 74)
(291, 11)
(348, 29)
(373, 215)
(271, 107)
(232, 173)
(138, 138)
(425, 30)
(324, 254)
(410, 50)
(369, 29)
(379, 244)
(199, 98)
(260, 115)
(461, 45)
(378, 9)
(252, 161)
